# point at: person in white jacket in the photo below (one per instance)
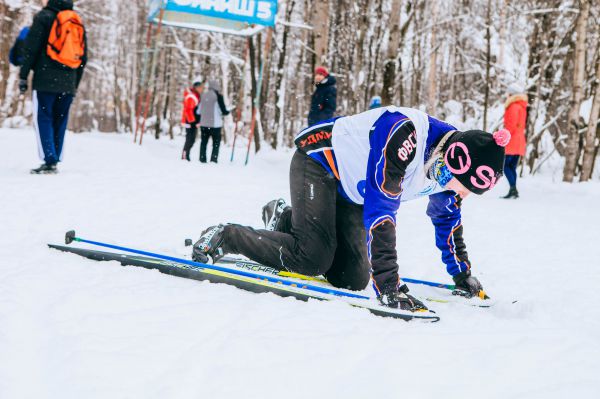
(212, 109)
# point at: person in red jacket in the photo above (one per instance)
(515, 117)
(190, 117)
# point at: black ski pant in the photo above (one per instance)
(321, 234)
(190, 139)
(205, 134)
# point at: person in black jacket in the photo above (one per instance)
(54, 85)
(323, 102)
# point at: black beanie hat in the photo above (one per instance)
(476, 158)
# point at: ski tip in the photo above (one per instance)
(188, 242)
(69, 236)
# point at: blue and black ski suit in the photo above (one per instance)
(348, 179)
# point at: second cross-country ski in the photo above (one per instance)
(250, 281)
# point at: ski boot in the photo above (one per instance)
(209, 248)
(271, 214)
(400, 299)
(468, 286)
(512, 193)
(45, 169)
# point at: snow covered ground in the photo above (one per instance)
(74, 328)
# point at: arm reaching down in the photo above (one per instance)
(385, 173)
(444, 209)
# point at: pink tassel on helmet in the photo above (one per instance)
(502, 137)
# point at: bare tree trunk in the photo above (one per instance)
(592, 129)
(320, 23)
(6, 29)
(254, 84)
(572, 152)
(359, 56)
(375, 51)
(502, 31)
(265, 104)
(8, 101)
(417, 56)
(432, 78)
(390, 64)
(488, 39)
(279, 93)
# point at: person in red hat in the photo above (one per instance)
(324, 99)
(515, 117)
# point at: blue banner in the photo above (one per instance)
(261, 12)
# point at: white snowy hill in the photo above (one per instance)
(74, 328)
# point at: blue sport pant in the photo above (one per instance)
(50, 118)
(510, 169)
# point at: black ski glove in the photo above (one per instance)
(23, 86)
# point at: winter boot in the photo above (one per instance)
(512, 193)
(45, 169)
(400, 299)
(210, 245)
(468, 286)
(271, 214)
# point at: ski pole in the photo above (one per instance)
(70, 236)
(429, 283)
(230, 260)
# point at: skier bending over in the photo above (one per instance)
(347, 180)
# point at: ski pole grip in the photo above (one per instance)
(188, 242)
(69, 237)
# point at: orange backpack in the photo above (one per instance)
(66, 43)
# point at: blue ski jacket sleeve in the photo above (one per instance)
(382, 193)
(385, 174)
(444, 209)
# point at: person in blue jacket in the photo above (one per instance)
(324, 99)
(375, 102)
(348, 178)
(15, 55)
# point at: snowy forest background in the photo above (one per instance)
(451, 58)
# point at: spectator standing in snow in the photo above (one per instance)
(324, 99)
(212, 110)
(515, 117)
(16, 51)
(56, 51)
(190, 117)
(375, 102)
